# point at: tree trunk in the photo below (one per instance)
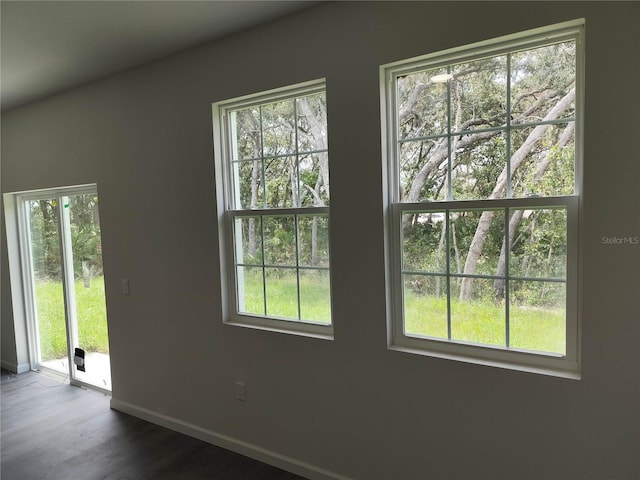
(251, 247)
(475, 249)
(441, 243)
(439, 153)
(314, 241)
(318, 136)
(517, 159)
(516, 217)
(499, 283)
(86, 274)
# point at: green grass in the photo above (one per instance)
(91, 313)
(531, 328)
(282, 298)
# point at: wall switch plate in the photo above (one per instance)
(240, 392)
(125, 286)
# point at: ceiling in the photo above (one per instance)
(50, 46)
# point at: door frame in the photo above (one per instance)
(67, 275)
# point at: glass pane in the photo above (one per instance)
(279, 240)
(282, 292)
(249, 247)
(477, 166)
(475, 240)
(537, 312)
(539, 79)
(250, 290)
(543, 160)
(422, 103)
(280, 179)
(91, 311)
(312, 123)
(423, 170)
(476, 316)
(314, 180)
(248, 184)
(479, 94)
(278, 128)
(424, 242)
(539, 247)
(313, 240)
(315, 296)
(425, 305)
(47, 277)
(245, 128)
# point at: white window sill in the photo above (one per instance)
(550, 365)
(303, 329)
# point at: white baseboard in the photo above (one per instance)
(289, 464)
(14, 367)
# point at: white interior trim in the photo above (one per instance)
(255, 452)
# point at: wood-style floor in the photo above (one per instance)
(53, 431)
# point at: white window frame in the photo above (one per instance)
(568, 365)
(226, 212)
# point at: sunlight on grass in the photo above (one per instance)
(539, 329)
(91, 313)
(282, 294)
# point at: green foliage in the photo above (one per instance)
(422, 238)
(280, 152)
(85, 235)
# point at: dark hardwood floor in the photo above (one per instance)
(53, 431)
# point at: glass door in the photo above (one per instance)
(68, 311)
(50, 327)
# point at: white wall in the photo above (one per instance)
(349, 406)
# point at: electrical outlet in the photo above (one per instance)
(240, 391)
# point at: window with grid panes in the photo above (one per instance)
(273, 199)
(483, 162)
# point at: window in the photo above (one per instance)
(272, 175)
(483, 166)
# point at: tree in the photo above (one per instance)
(480, 129)
(517, 159)
(282, 161)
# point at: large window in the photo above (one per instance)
(273, 199)
(483, 149)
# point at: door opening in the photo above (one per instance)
(64, 284)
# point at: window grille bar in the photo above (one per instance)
(297, 230)
(508, 134)
(264, 271)
(507, 283)
(514, 126)
(281, 155)
(280, 212)
(297, 203)
(524, 203)
(262, 169)
(297, 192)
(463, 275)
(449, 193)
(287, 267)
(539, 279)
(448, 269)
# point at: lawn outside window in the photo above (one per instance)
(483, 166)
(272, 179)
